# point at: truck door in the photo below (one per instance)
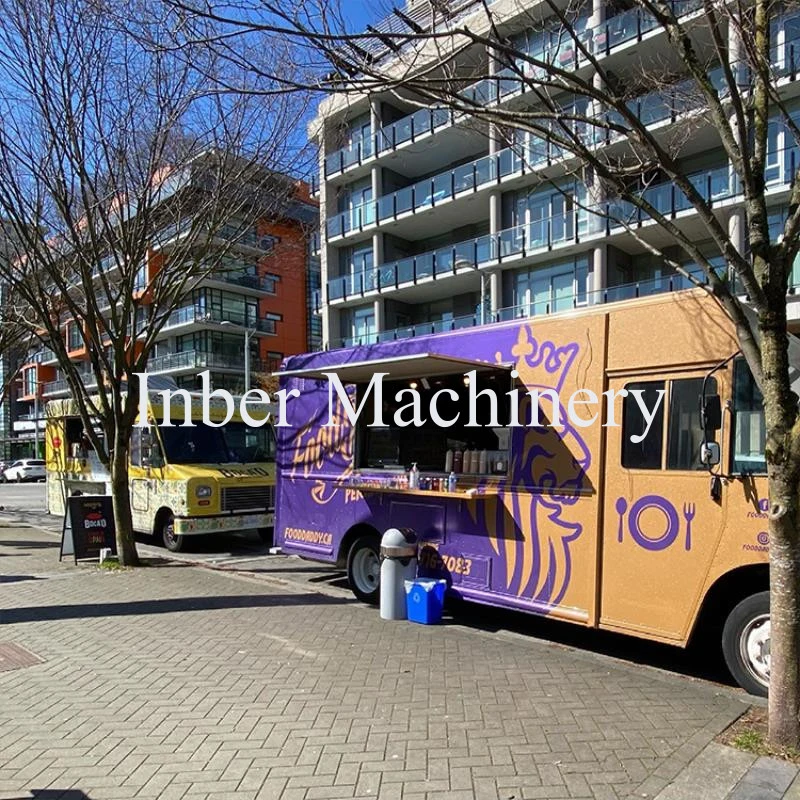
(660, 526)
(139, 481)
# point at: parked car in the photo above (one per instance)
(26, 469)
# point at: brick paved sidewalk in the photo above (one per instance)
(179, 682)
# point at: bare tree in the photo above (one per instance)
(126, 176)
(536, 78)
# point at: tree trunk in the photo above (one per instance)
(780, 409)
(784, 579)
(120, 492)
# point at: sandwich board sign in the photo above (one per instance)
(88, 527)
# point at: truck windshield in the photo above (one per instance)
(204, 444)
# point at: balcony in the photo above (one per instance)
(200, 360)
(61, 386)
(237, 235)
(652, 108)
(492, 248)
(44, 355)
(716, 185)
(193, 315)
(632, 25)
(552, 305)
(258, 283)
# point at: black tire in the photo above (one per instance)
(267, 535)
(745, 643)
(174, 542)
(364, 569)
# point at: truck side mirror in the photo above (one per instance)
(709, 454)
(710, 413)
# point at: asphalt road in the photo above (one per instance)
(22, 497)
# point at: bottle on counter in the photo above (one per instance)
(482, 462)
(413, 477)
(467, 461)
(448, 461)
(458, 462)
(452, 482)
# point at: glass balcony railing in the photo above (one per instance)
(200, 359)
(651, 108)
(540, 307)
(55, 387)
(409, 331)
(354, 153)
(446, 186)
(482, 250)
(193, 314)
(714, 185)
(43, 356)
(61, 386)
(617, 30)
(353, 219)
(259, 283)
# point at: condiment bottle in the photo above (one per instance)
(458, 462)
(448, 461)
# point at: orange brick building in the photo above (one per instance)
(260, 297)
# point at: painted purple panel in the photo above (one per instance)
(520, 540)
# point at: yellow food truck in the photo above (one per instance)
(184, 480)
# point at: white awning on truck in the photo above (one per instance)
(416, 365)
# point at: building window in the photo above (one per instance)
(29, 381)
(221, 305)
(74, 338)
(550, 289)
(269, 282)
(140, 279)
(271, 321)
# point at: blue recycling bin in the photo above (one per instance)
(425, 600)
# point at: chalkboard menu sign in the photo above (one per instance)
(88, 527)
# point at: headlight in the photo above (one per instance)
(202, 491)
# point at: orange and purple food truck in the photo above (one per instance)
(579, 516)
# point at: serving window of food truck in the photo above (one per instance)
(394, 446)
(468, 446)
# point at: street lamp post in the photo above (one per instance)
(248, 335)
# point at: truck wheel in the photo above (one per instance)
(364, 569)
(172, 541)
(745, 643)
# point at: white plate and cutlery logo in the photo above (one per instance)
(654, 534)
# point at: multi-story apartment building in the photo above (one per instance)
(430, 220)
(259, 297)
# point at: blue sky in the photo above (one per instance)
(361, 12)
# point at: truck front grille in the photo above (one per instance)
(247, 498)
